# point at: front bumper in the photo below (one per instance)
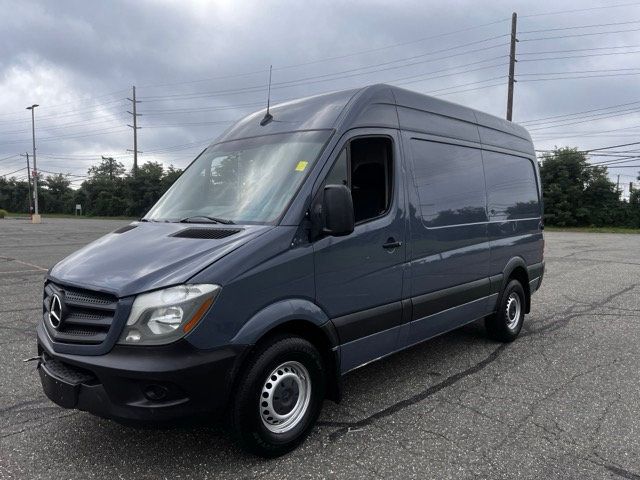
(148, 384)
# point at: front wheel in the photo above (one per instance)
(506, 323)
(278, 397)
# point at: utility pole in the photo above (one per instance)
(36, 216)
(26, 154)
(135, 127)
(512, 66)
(111, 163)
(618, 186)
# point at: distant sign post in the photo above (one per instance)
(78, 209)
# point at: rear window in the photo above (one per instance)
(450, 183)
(512, 191)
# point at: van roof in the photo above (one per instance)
(386, 106)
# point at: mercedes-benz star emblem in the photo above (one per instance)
(55, 311)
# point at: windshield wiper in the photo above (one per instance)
(193, 219)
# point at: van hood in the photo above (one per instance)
(147, 256)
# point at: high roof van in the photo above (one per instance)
(305, 242)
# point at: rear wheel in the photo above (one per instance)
(506, 323)
(279, 396)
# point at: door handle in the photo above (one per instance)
(391, 244)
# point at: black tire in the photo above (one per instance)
(246, 417)
(503, 325)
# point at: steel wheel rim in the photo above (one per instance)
(285, 397)
(513, 310)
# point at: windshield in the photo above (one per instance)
(243, 181)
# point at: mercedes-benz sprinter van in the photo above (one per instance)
(305, 242)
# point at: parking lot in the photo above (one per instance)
(561, 402)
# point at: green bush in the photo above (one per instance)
(3, 213)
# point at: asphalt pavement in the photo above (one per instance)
(563, 401)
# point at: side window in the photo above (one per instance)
(450, 183)
(365, 166)
(338, 174)
(512, 191)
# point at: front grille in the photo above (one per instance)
(80, 296)
(87, 315)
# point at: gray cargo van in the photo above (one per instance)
(305, 242)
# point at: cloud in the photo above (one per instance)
(200, 64)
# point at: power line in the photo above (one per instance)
(610, 146)
(338, 57)
(578, 56)
(580, 113)
(148, 113)
(370, 66)
(617, 162)
(9, 157)
(578, 77)
(61, 126)
(611, 70)
(71, 136)
(581, 26)
(316, 78)
(15, 171)
(281, 85)
(600, 116)
(65, 113)
(577, 50)
(19, 112)
(577, 35)
(190, 124)
(66, 174)
(579, 10)
(625, 166)
(501, 84)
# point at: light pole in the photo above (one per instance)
(36, 215)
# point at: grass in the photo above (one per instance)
(593, 229)
(66, 215)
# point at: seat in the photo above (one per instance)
(368, 191)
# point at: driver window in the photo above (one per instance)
(339, 172)
(365, 166)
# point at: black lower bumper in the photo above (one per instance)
(144, 384)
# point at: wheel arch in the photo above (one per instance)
(302, 318)
(516, 269)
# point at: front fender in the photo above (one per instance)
(276, 314)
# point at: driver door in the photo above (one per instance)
(359, 277)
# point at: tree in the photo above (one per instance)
(14, 195)
(145, 188)
(108, 168)
(55, 194)
(576, 193)
(171, 174)
(103, 192)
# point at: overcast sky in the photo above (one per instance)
(199, 65)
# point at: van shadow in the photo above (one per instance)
(168, 451)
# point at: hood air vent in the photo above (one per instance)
(126, 228)
(206, 233)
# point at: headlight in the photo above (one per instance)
(166, 315)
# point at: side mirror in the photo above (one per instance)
(337, 211)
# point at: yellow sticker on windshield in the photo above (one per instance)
(302, 164)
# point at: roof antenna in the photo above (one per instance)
(267, 116)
